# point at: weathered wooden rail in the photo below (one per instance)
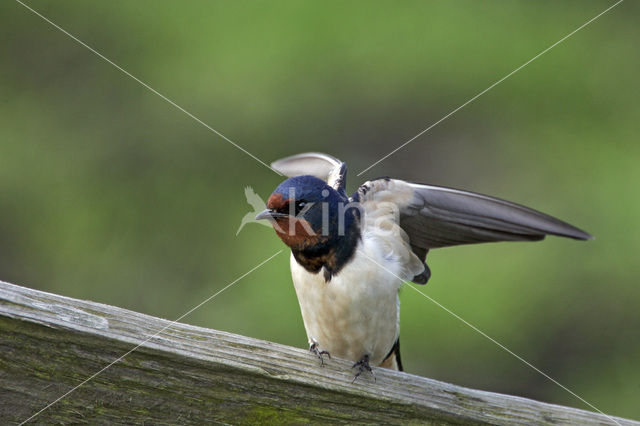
(190, 375)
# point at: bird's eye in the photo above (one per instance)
(300, 205)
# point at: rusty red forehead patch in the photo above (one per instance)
(276, 201)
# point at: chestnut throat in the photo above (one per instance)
(329, 255)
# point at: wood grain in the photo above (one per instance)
(191, 375)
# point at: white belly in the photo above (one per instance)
(357, 312)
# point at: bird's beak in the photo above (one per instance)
(270, 214)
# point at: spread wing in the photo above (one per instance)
(440, 217)
(435, 216)
(316, 164)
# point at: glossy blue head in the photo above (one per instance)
(305, 212)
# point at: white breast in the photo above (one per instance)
(357, 312)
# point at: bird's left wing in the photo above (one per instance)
(435, 216)
(316, 164)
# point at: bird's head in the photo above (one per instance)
(305, 212)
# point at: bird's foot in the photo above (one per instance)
(315, 349)
(362, 366)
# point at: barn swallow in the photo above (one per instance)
(350, 255)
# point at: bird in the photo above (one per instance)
(350, 255)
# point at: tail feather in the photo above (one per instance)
(393, 361)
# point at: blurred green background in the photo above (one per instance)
(109, 193)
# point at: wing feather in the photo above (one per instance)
(323, 166)
(435, 216)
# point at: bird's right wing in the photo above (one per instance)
(317, 164)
